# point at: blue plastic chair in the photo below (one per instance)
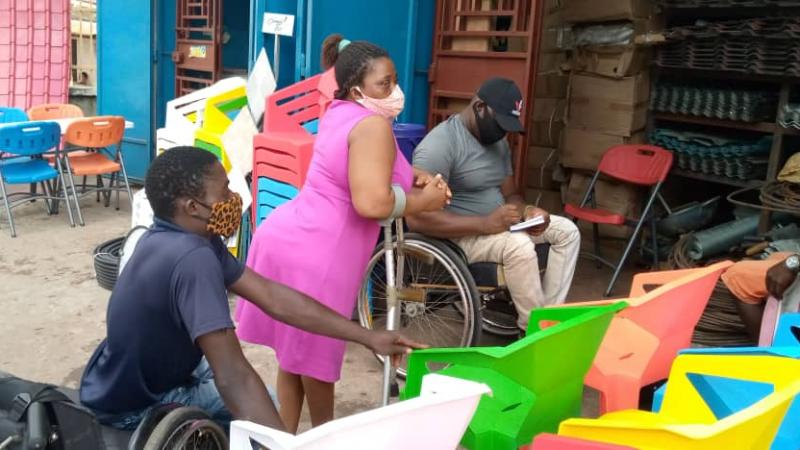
(31, 140)
(9, 115)
(733, 395)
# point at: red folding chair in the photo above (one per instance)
(642, 165)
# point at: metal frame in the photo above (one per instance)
(48, 196)
(646, 216)
(100, 187)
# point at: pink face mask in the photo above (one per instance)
(389, 107)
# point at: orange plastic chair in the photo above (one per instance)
(644, 339)
(54, 111)
(97, 136)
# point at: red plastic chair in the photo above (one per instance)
(547, 441)
(642, 165)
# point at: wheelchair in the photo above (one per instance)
(444, 301)
(61, 423)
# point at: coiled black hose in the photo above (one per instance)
(106, 262)
(107, 257)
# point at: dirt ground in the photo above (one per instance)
(53, 311)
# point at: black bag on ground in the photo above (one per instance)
(36, 416)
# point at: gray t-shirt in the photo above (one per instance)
(474, 172)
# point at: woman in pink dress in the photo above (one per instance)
(320, 242)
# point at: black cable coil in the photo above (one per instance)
(106, 262)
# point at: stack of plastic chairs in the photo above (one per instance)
(698, 415)
(735, 395)
(282, 152)
(434, 421)
(536, 382)
(219, 113)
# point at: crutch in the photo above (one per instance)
(390, 387)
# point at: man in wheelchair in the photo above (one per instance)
(469, 149)
(170, 337)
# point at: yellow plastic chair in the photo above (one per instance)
(686, 420)
(216, 121)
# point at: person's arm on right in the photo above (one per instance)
(780, 277)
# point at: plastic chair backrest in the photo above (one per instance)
(687, 418)
(788, 333)
(645, 165)
(30, 138)
(690, 394)
(290, 108)
(671, 312)
(54, 111)
(434, 421)
(9, 115)
(96, 132)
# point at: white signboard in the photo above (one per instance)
(280, 24)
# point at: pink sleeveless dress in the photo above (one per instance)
(319, 245)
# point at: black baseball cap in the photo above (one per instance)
(505, 98)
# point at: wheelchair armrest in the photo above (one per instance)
(148, 423)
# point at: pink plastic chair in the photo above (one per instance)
(644, 339)
(434, 421)
(547, 441)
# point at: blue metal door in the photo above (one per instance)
(403, 27)
(125, 73)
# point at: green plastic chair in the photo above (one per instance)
(537, 382)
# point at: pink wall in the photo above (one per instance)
(34, 52)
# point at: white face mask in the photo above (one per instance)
(389, 107)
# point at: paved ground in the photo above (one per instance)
(53, 311)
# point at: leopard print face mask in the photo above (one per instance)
(225, 216)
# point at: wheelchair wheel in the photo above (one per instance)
(187, 428)
(439, 304)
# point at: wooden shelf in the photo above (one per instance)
(764, 127)
(716, 179)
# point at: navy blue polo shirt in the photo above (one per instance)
(172, 291)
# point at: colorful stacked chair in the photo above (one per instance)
(282, 152)
(644, 339)
(536, 382)
(693, 415)
(218, 115)
(735, 395)
(434, 421)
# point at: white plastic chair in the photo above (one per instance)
(434, 421)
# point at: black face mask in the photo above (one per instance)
(489, 131)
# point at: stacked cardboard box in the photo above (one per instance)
(608, 99)
(547, 117)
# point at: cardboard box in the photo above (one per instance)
(542, 157)
(545, 108)
(551, 62)
(616, 197)
(551, 85)
(583, 149)
(548, 200)
(611, 61)
(544, 133)
(606, 10)
(612, 106)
